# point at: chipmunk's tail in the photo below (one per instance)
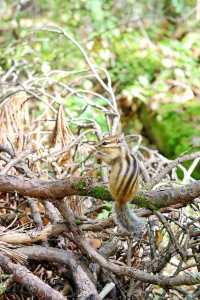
(128, 220)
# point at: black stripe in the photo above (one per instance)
(118, 177)
(124, 181)
(120, 168)
(132, 187)
(132, 177)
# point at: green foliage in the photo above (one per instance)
(143, 58)
(133, 60)
(106, 212)
(2, 289)
(77, 106)
(174, 127)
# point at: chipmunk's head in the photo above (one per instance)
(110, 148)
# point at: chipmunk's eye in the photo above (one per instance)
(104, 143)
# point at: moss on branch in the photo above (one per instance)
(58, 189)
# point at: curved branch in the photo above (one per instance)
(86, 287)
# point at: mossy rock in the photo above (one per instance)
(174, 128)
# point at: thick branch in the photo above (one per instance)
(157, 199)
(32, 236)
(57, 189)
(35, 285)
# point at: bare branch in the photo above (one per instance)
(172, 165)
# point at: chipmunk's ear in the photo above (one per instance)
(121, 138)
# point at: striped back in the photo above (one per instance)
(124, 168)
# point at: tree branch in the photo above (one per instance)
(35, 285)
(58, 189)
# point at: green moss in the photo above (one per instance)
(100, 192)
(141, 201)
(80, 185)
(78, 222)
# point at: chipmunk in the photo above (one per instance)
(123, 181)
